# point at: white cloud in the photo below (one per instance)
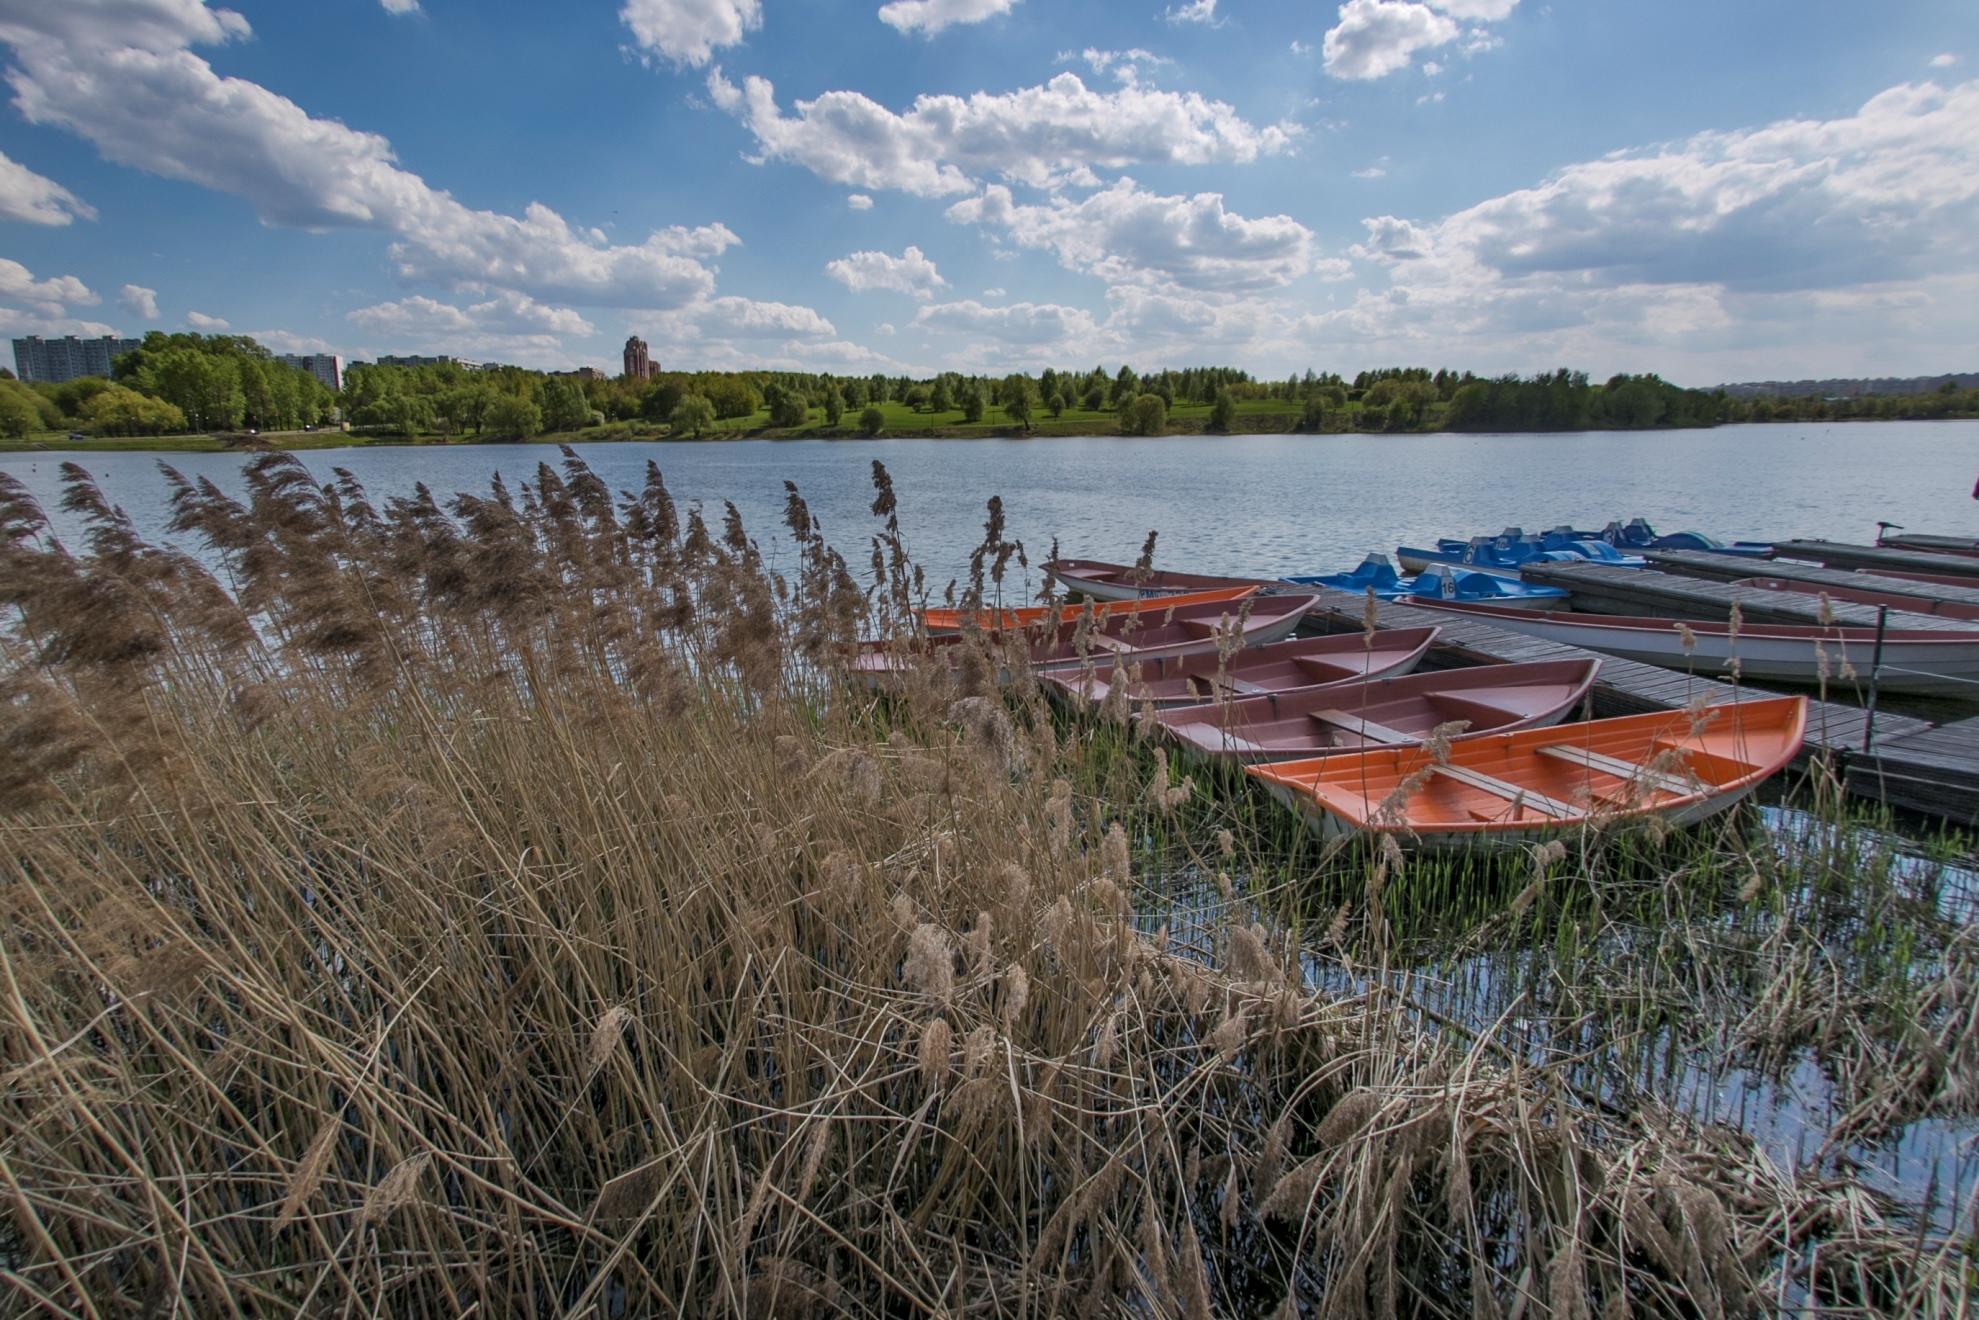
(28, 197)
(1018, 323)
(859, 202)
(996, 293)
(1378, 170)
(1125, 66)
(1194, 11)
(284, 341)
(424, 318)
(1842, 235)
(688, 32)
(746, 318)
(911, 273)
(139, 301)
(399, 7)
(1477, 11)
(1036, 135)
(931, 16)
(119, 73)
(1126, 236)
(1944, 61)
(49, 297)
(1300, 47)
(201, 321)
(1376, 37)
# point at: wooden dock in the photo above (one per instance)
(1727, 568)
(1934, 771)
(1624, 687)
(1842, 554)
(1603, 589)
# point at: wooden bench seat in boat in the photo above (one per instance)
(1512, 793)
(1631, 771)
(1210, 733)
(1368, 729)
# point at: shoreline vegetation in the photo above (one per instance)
(506, 904)
(187, 392)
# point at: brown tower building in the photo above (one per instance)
(637, 365)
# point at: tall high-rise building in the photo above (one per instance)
(638, 366)
(57, 360)
(326, 367)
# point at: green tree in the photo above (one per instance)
(19, 417)
(1095, 398)
(788, 407)
(694, 416)
(120, 411)
(834, 406)
(1144, 415)
(1056, 403)
(564, 405)
(513, 416)
(939, 399)
(1223, 412)
(1314, 414)
(872, 421)
(973, 403)
(1018, 397)
(1125, 385)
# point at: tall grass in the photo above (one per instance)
(505, 905)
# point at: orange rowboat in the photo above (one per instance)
(1050, 616)
(1536, 784)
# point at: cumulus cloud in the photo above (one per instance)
(1944, 61)
(139, 301)
(399, 7)
(509, 314)
(1374, 38)
(746, 318)
(931, 16)
(211, 324)
(1194, 11)
(1797, 219)
(49, 297)
(1017, 323)
(1040, 136)
(911, 273)
(688, 32)
(859, 202)
(285, 341)
(1125, 235)
(121, 74)
(31, 199)
(1477, 11)
(1125, 66)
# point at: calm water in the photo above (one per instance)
(1223, 504)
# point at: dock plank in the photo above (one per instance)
(1603, 589)
(1703, 564)
(1845, 554)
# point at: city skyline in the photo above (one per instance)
(1712, 193)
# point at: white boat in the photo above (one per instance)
(1927, 663)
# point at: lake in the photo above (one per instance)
(1261, 504)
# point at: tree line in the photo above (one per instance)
(177, 383)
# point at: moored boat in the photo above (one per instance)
(1533, 784)
(1104, 581)
(1376, 574)
(1894, 600)
(1385, 711)
(1637, 534)
(1501, 555)
(1929, 663)
(1029, 616)
(1935, 545)
(1286, 666)
(1210, 628)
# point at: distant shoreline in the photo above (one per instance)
(303, 441)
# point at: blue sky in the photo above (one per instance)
(1713, 191)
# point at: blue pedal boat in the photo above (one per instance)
(1502, 555)
(1637, 534)
(1437, 582)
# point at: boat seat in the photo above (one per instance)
(1323, 668)
(1633, 772)
(1243, 687)
(1510, 792)
(1368, 729)
(1204, 734)
(1482, 714)
(1204, 628)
